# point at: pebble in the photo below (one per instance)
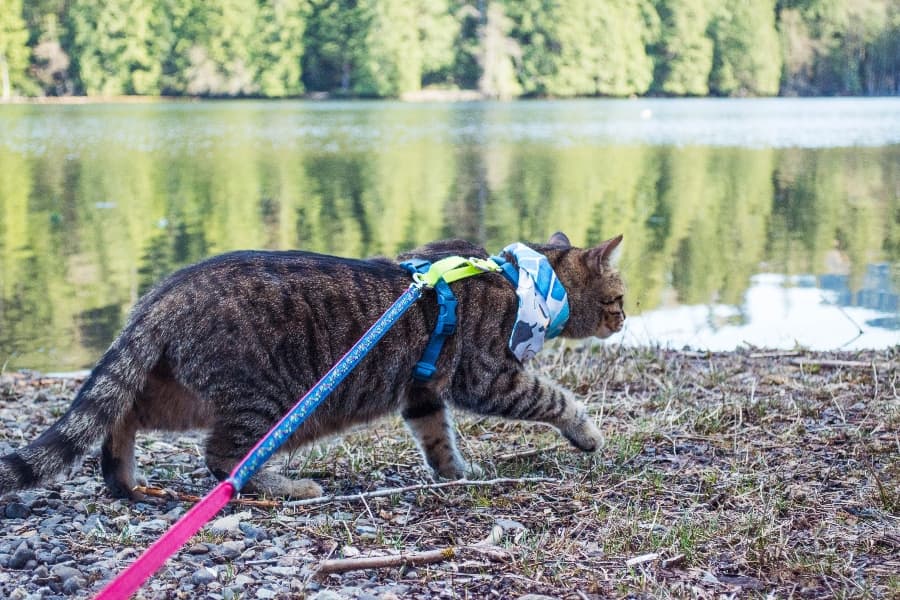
(203, 576)
(16, 510)
(229, 523)
(252, 532)
(65, 572)
(198, 549)
(73, 584)
(21, 556)
(92, 523)
(327, 595)
(227, 550)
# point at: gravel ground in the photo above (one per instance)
(724, 475)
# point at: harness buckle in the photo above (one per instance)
(418, 281)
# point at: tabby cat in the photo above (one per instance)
(230, 343)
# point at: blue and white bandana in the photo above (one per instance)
(543, 302)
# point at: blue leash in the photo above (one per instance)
(279, 434)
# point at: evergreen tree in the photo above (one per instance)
(390, 58)
(334, 42)
(115, 46)
(14, 52)
(747, 56)
(438, 32)
(684, 52)
(278, 47)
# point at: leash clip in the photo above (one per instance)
(419, 282)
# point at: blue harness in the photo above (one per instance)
(543, 306)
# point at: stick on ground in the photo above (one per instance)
(413, 488)
(412, 559)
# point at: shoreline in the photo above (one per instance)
(419, 96)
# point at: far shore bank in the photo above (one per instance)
(423, 96)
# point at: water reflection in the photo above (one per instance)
(776, 312)
(97, 203)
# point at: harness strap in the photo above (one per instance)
(437, 276)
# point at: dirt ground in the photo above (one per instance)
(743, 474)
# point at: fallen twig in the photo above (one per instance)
(775, 354)
(527, 453)
(173, 495)
(413, 488)
(409, 559)
(343, 565)
(836, 364)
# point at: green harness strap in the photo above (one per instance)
(454, 268)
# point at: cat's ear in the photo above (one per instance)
(560, 240)
(605, 253)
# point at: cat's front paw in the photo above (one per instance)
(586, 436)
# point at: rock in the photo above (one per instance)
(281, 571)
(153, 526)
(203, 576)
(537, 597)
(92, 524)
(21, 556)
(253, 533)
(265, 593)
(508, 524)
(230, 523)
(271, 552)
(73, 584)
(327, 595)
(221, 553)
(65, 572)
(198, 549)
(16, 510)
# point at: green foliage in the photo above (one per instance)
(684, 51)
(582, 47)
(116, 45)
(747, 56)
(277, 49)
(835, 47)
(14, 52)
(503, 48)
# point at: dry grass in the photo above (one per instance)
(746, 474)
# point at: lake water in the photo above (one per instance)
(772, 222)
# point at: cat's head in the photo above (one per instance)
(595, 288)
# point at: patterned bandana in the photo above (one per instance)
(543, 302)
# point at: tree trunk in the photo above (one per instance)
(5, 91)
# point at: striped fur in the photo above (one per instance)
(229, 344)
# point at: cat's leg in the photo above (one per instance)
(230, 441)
(517, 394)
(117, 459)
(431, 425)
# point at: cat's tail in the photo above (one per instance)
(107, 395)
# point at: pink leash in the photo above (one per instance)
(129, 580)
(153, 557)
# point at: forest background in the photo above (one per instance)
(493, 48)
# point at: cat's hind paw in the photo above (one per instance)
(586, 436)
